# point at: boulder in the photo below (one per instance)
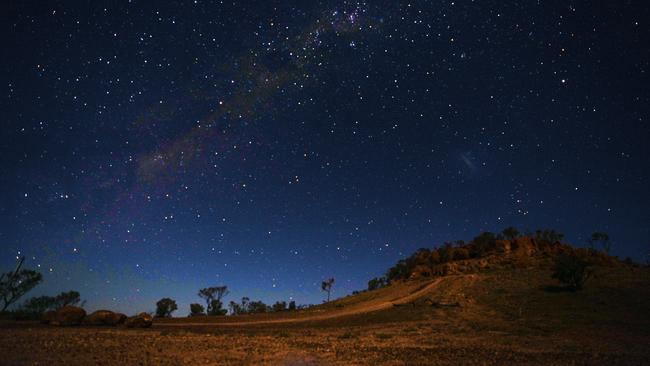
(142, 320)
(524, 245)
(502, 246)
(105, 317)
(68, 315)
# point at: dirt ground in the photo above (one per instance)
(491, 319)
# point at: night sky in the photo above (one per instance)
(151, 148)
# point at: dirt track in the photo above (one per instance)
(356, 309)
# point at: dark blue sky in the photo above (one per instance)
(148, 149)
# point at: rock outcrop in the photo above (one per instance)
(142, 320)
(67, 316)
(105, 317)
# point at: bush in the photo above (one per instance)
(165, 307)
(377, 282)
(572, 271)
(461, 253)
(197, 310)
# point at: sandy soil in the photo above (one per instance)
(501, 318)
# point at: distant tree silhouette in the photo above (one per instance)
(245, 301)
(292, 305)
(165, 307)
(70, 298)
(510, 233)
(327, 287)
(571, 271)
(235, 308)
(39, 305)
(196, 310)
(212, 297)
(255, 307)
(548, 235)
(13, 285)
(377, 282)
(483, 243)
(601, 239)
(280, 306)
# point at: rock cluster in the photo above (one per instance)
(142, 320)
(72, 315)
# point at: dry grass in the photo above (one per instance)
(504, 317)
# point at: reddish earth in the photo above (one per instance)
(500, 316)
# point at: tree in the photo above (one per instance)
(571, 271)
(244, 304)
(235, 308)
(257, 307)
(70, 298)
(39, 305)
(327, 287)
(213, 296)
(280, 306)
(548, 235)
(292, 305)
(510, 233)
(165, 307)
(602, 239)
(377, 282)
(197, 310)
(215, 308)
(483, 243)
(13, 285)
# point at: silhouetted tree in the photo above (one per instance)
(375, 283)
(483, 243)
(213, 296)
(13, 285)
(39, 305)
(571, 271)
(548, 235)
(510, 233)
(235, 308)
(292, 305)
(601, 239)
(165, 307)
(280, 306)
(196, 310)
(70, 298)
(257, 307)
(327, 287)
(216, 308)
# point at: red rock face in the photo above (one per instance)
(142, 320)
(104, 317)
(68, 316)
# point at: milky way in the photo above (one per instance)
(150, 149)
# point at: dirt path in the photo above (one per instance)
(366, 307)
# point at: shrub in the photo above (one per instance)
(165, 307)
(572, 271)
(280, 306)
(461, 253)
(377, 282)
(483, 243)
(197, 310)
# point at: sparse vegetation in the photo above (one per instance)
(212, 297)
(197, 310)
(165, 307)
(327, 287)
(15, 284)
(572, 271)
(377, 282)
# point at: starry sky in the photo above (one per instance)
(152, 148)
